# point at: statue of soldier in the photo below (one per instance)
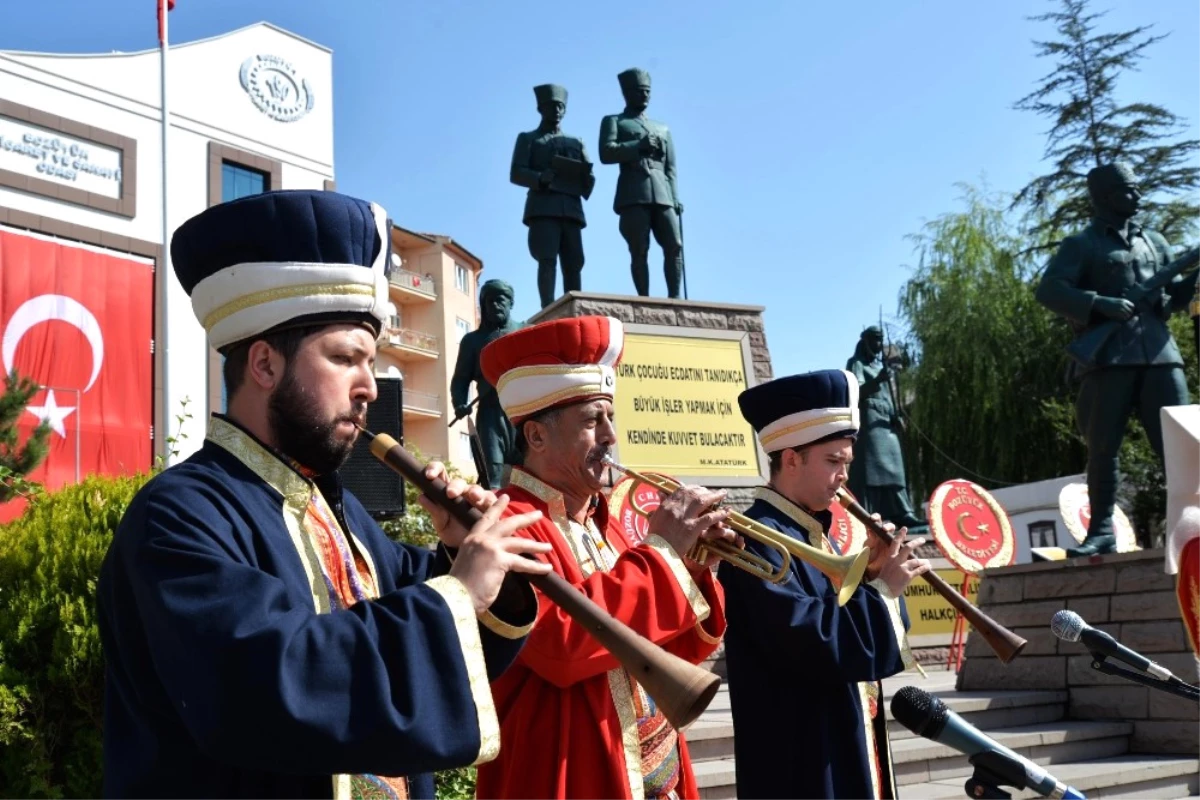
(647, 198)
(1124, 351)
(496, 435)
(558, 174)
(877, 476)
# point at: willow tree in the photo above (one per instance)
(988, 359)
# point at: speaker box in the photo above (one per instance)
(377, 487)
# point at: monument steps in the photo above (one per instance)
(1092, 755)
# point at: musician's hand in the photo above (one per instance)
(684, 515)
(899, 567)
(490, 551)
(448, 530)
(1117, 308)
(717, 533)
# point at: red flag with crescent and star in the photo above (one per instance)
(78, 321)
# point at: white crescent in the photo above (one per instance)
(962, 530)
(46, 307)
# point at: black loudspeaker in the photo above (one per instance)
(377, 487)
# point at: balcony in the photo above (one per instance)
(409, 286)
(405, 344)
(422, 404)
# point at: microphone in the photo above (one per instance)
(1070, 627)
(927, 716)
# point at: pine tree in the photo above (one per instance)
(17, 461)
(1091, 128)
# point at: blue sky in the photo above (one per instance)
(811, 137)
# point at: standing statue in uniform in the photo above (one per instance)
(556, 170)
(647, 199)
(496, 435)
(1127, 357)
(877, 476)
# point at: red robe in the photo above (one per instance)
(568, 726)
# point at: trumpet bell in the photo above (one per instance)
(636, 496)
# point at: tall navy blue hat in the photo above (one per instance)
(802, 409)
(284, 259)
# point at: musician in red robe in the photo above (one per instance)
(573, 722)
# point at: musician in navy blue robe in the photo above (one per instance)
(804, 672)
(262, 636)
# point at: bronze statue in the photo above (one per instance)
(496, 435)
(558, 174)
(1099, 280)
(647, 198)
(877, 475)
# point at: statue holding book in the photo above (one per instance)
(556, 170)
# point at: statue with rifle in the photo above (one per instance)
(494, 443)
(877, 474)
(1116, 284)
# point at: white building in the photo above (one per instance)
(81, 155)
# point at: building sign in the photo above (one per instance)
(276, 88)
(676, 407)
(52, 156)
(928, 612)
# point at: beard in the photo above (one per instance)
(300, 430)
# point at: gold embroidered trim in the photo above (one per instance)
(691, 589)
(793, 511)
(467, 625)
(502, 628)
(704, 635)
(545, 401)
(341, 787)
(799, 426)
(547, 369)
(893, 607)
(285, 293)
(622, 696)
(869, 736)
(296, 493)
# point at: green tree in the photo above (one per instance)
(16, 460)
(987, 356)
(1089, 127)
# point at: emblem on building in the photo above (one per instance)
(275, 88)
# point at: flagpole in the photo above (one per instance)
(164, 277)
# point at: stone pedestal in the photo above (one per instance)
(1125, 594)
(677, 314)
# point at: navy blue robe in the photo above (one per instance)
(229, 674)
(795, 660)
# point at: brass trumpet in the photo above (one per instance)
(845, 572)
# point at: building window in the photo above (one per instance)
(462, 326)
(238, 181)
(462, 279)
(464, 442)
(1043, 533)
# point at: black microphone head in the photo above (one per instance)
(1067, 625)
(920, 712)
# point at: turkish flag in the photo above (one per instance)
(78, 321)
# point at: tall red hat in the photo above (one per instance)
(554, 363)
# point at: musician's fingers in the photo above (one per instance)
(510, 525)
(529, 566)
(435, 470)
(711, 526)
(488, 523)
(519, 544)
(456, 487)
(479, 497)
(917, 566)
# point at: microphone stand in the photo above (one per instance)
(993, 769)
(1171, 686)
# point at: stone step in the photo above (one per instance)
(994, 711)
(715, 779)
(919, 760)
(1127, 776)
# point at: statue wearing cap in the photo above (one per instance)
(1135, 366)
(262, 635)
(877, 476)
(574, 722)
(496, 436)
(647, 199)
(558, 174)
(793, 653)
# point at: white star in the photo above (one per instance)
(53, 413)
(982, 527)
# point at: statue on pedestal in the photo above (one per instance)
(556, 170)
(496, 435)
(1124, 352)
(647, 199)
(877, 475)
